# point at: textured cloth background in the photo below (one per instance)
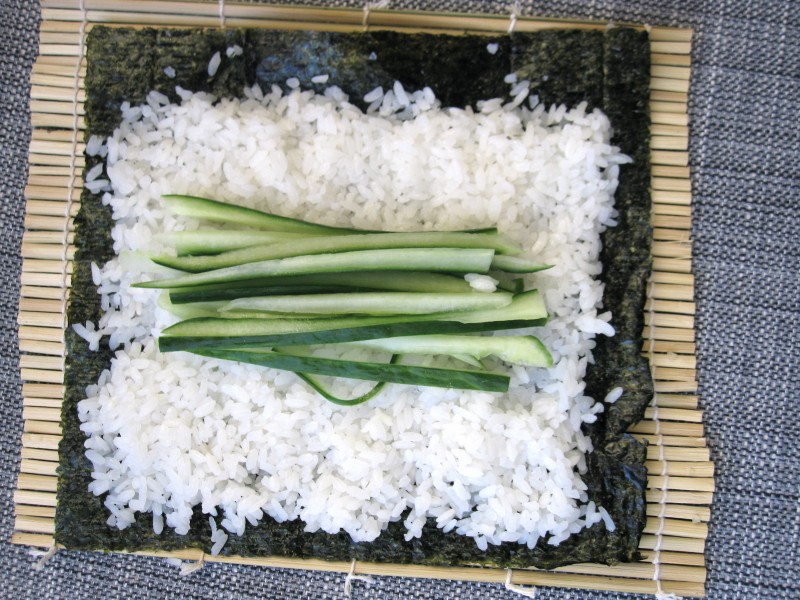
(745, 158)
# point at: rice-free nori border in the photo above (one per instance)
(608, 69)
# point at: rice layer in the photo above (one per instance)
(168, 432)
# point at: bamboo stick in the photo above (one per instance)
(671, 334)
(676, 401)
(43, 390)
(32, 539)
(670, 34)
(677, 528)
(669, 320)
(675, 414)
(659, 47)
(672, 265)
(49, 348)
(38, 467)
(681, 197)
(56, 280)
(34, 169)
(664, 347)
(55, 160)
(640, 570)
(56, 93)
(692, 484)
(680, 386)
(660, 171)
(676, 558)
(46, 334)
(657, 106)
(674, 442)
(40, 413)
(46, 223)
(37, 483)
(671, 306)
(670, 72)
(681, 469)
(670, 428)
(46, 237)
(678, 60)
(663, 96)
(666, 374)
(680, 511)
(55, 135)
(674, 544)
(678, 454)
(39, 440)
(40, 305)
(669, 142)
(45, 266)
(676, 361)
(43, 402)
(36, 319)
(672, 278)
(45, 427)
(669, 130)
(678, 497)
(669, 184)
(663, 117)
(669, 157)
(669, 85)
(39, 119)
(34, 498)
(672, 221)
(672, 250)
(35, 361)
(672, 210)
(41, 376)
(39, 454)
(34, 524)
(666, 291)
(47, 252)
(48, 293)
(28, 510)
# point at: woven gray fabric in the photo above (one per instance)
(744, 157)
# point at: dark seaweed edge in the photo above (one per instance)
(132, 69)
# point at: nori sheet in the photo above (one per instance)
(608, 69)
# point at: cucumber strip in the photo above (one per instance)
(525, 310)
(514, 264)
(372, 303)
(302, 332)
(508, 282)
(469, 260)
(519, 350)
(197, 310)
(334, 244)
(323, 391)
(371, 371)
(214, 241)
(401, 281)
(222, 212)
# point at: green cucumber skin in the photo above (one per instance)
(406, 259)
(412, 281)
(222, 212)
(520, 350)
(215, 241)
(373, 303)
(335, 244)
(514, 264)
(391, 373)
(172, 343)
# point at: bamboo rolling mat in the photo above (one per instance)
(681, 483)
